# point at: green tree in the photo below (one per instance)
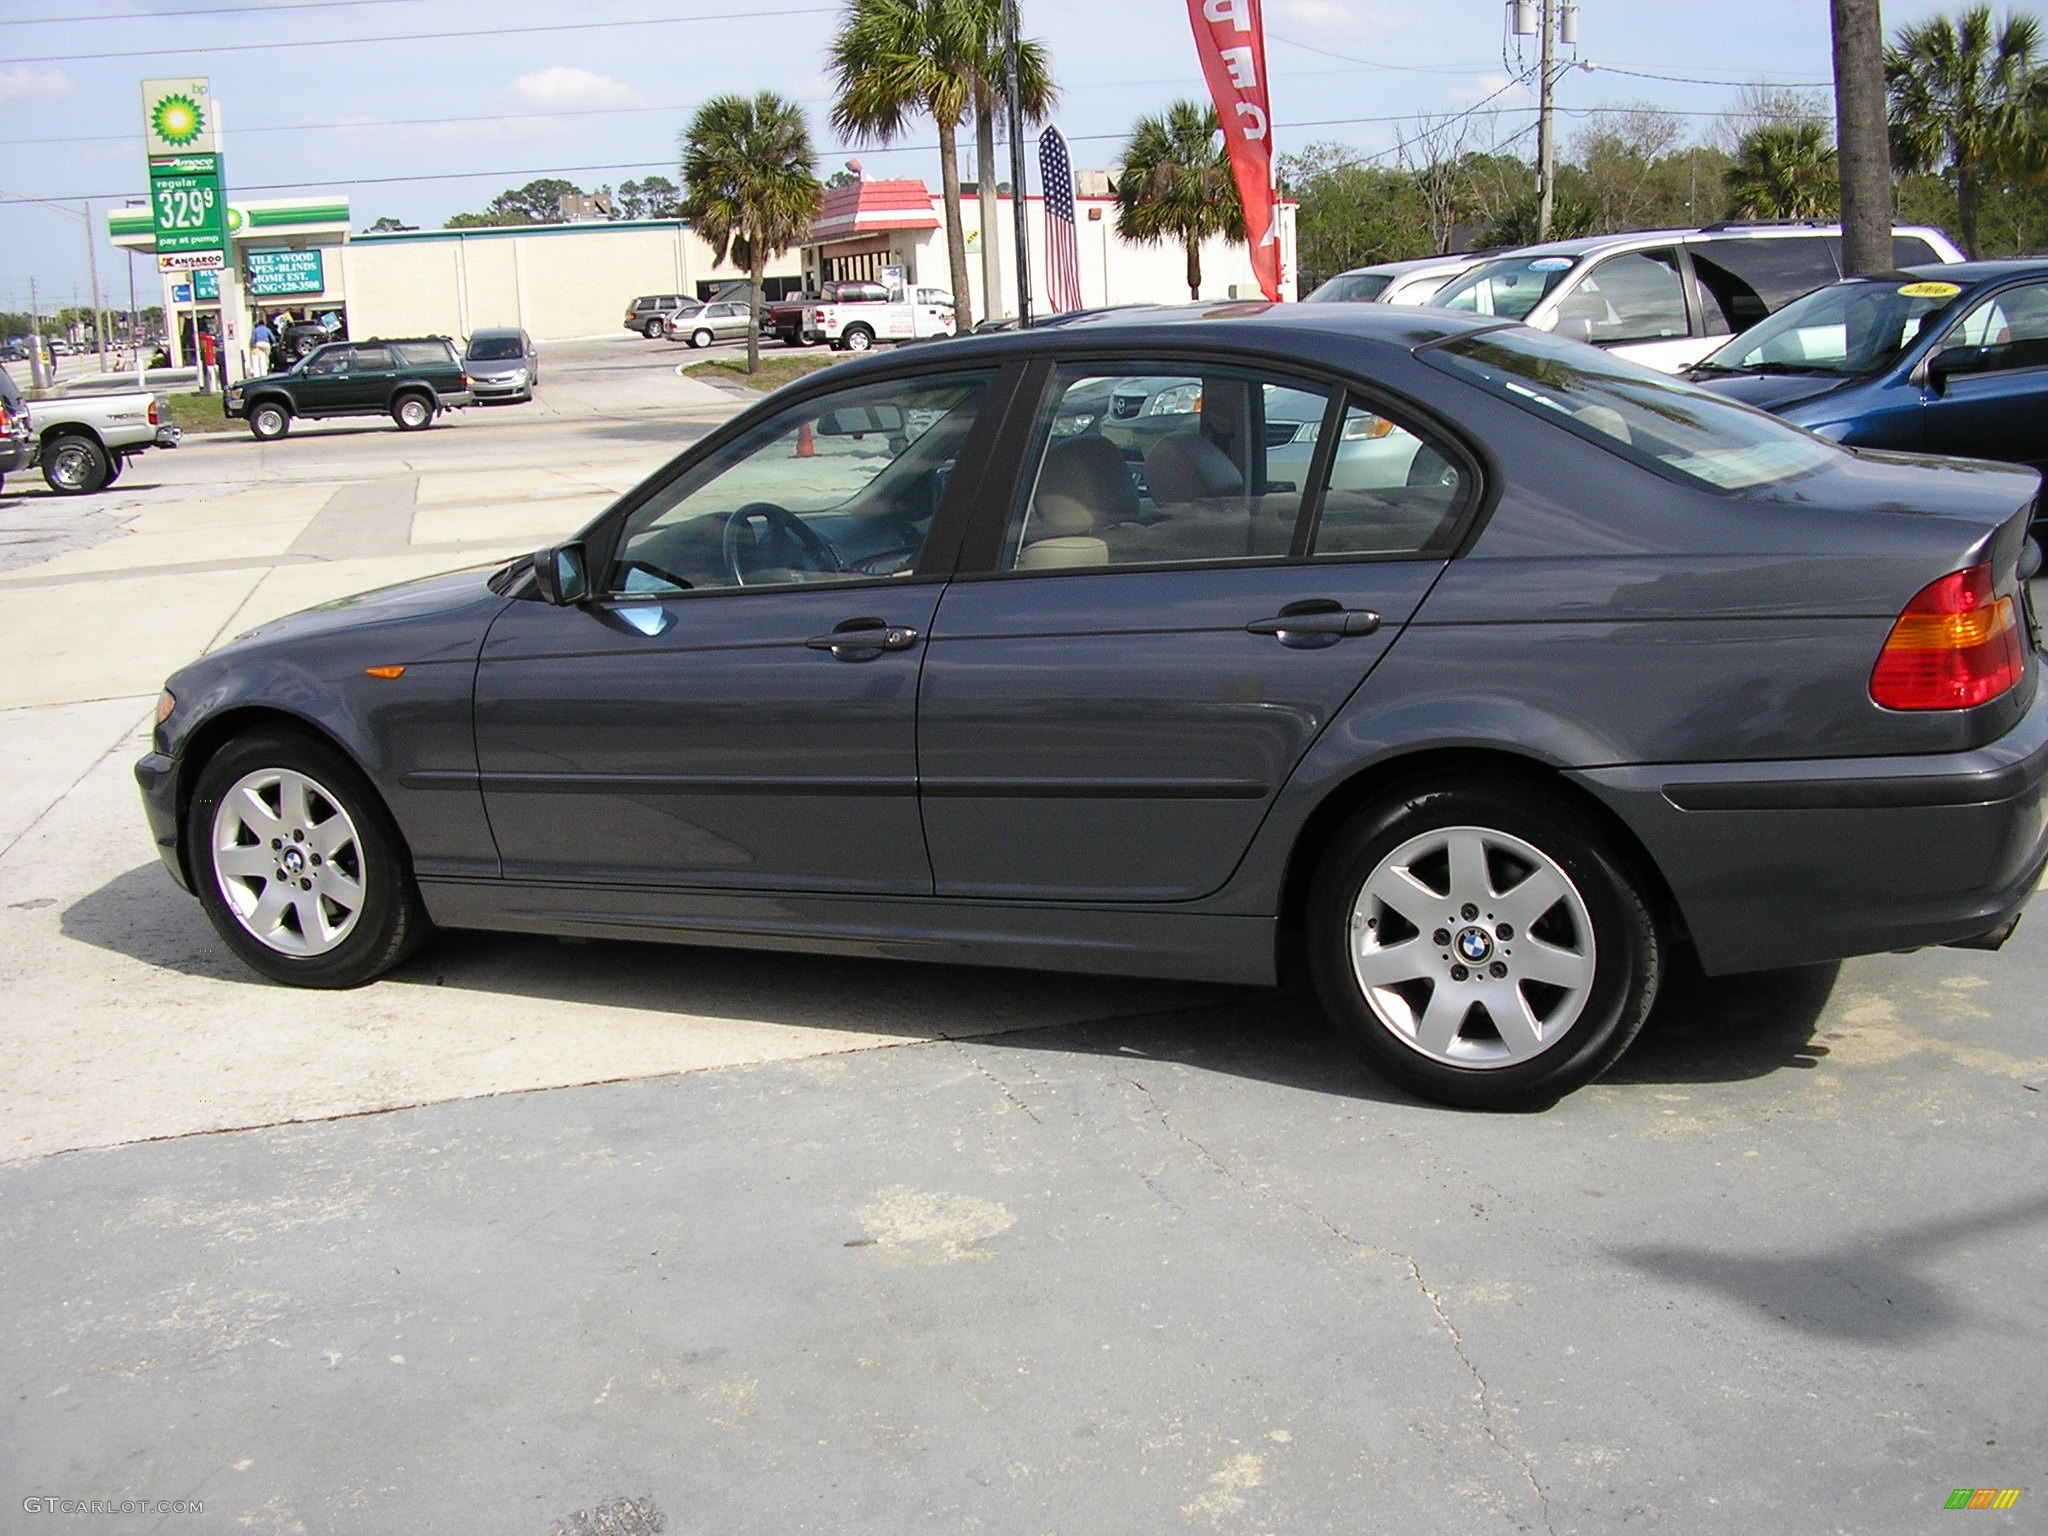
(1349, 214)
(1966, 97)
(654, 198)
(750, 186)
(388, 225)
(1035, 93)
(538, 202)
(1174, 183)
(1784, 173)
(894, 59)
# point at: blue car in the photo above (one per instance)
(1936, 359)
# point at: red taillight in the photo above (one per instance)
(1956, 646)
(152, 413)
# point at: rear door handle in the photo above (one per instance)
(1316, 622)
(864, 639)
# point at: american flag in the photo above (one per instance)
(1062, 250)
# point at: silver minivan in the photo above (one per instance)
(1666, 298)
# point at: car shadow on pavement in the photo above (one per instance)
(1869, 1289)
(1703, 1029)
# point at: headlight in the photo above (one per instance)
(1184, 400)
(165, 703)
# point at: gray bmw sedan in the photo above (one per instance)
(933, 656)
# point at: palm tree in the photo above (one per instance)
(894, 58)
(1783, 171)
(1967, 98)
(750, 185)
(1036, 94)
(1175, 184)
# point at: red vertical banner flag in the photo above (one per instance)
(1230, 35)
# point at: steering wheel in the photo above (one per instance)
(822, 556)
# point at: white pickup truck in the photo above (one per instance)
(83, 442)
(918, 315)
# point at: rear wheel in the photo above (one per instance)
(652, 328)
(269, 421)
(412, 412)
(298, 864)
(74, 465)
(1481, 945)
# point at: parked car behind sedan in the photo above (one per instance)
(501, 364)
(702, 324)
(904, 662)
(1933, 359)
(1395, 282)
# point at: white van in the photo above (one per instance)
(1666, 298)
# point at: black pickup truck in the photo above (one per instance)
(409, 379)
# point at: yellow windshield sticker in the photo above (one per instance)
(1929, 291)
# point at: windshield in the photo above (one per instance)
(1858, 327)
(494, 349)
(1651, 418)
(1350, 288)
(1509, 288)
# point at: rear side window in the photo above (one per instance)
(1680, 432)
(1636, 296)
(373, 360)
(1742, 281)
(1509, 288)
(1351, 288)
(428, 354)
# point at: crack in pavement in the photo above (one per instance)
(960, 1048)
(1483, 1396)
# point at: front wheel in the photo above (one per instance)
(75, 465)
(1481, 944)
(268, 422)
(412, 412)
(700, 339)
(297, 863)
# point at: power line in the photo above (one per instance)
(421, 37)
(212, 10)
(1782, 85)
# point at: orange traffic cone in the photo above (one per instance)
(805, 448)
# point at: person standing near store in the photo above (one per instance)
(264, 342)
(208, 361)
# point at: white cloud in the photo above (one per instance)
(20, 83)
(1314, 13)
(564, 86)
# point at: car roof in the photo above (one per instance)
(1422, 264)
(1977, 271)
(496, 330)
(1247, 326)
(1589, 245)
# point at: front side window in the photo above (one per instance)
(2013, 325)
(327, 361)
(1649, 418)
(1636, 296)
(839, 489)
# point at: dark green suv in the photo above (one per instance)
(411, 380)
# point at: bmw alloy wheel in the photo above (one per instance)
(288, 862)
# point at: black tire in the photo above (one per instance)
(856, 338)
(1607, 933)
(74, 464)
(268, 421)
(701, 338)
(115, 464)
(413, 412)
(389, 920)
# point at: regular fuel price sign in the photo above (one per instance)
(190, 210)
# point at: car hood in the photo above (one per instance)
(435, 606)
(1773, 391)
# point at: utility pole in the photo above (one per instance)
(1862, 148)
(1546, 125)
(35, 340)
(134, 321)
(92, 262)
(1017, 204)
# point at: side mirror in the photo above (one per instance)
(559, 575)
(1953, 360)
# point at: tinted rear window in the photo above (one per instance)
(1681, 432)
(1745, 280)
(1351, 288)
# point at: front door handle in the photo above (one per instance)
(863, 639)
(1315, 622)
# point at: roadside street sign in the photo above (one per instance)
(191, 261)
(187, 204)
(178, 118)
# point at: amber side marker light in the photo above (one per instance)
(386, 673)
(1956, 646)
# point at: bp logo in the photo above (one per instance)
(177, 120)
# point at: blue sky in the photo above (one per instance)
(598, 91)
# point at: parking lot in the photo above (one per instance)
(540, 1236)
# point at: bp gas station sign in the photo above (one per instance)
(181, 133)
